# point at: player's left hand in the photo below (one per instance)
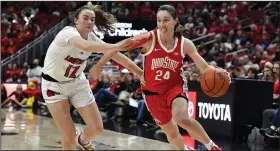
(95, 72)
(225, 72)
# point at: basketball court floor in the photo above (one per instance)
(26, 131)
(23, 130)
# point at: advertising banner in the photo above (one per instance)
(125, 29)
(215, 114)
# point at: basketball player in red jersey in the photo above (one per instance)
(165, 90)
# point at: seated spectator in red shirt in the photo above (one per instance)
(202, 30)
(269, 26)
(214, 28)
(231, 14)
(276, 90)
(12, 48)
(12, 70)
(146, 11)
(134, 12)
(180, 10)
(20, 96)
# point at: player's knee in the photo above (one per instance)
(173, 135)
(96, 129)
(183, 120)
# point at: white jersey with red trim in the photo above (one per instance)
(64, 61)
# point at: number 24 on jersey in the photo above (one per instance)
(162, 75)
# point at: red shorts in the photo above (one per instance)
(160, 105)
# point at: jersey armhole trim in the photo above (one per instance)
(182, 47)
(153, 45)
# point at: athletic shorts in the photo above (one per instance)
(77, 91)
(159, 105)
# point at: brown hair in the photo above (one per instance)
(179, 30)
(103, 21)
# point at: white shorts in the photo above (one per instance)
(78, 92)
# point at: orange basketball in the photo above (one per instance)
(214, 82)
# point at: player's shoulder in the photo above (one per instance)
(67, 31)
(93, 37)
(70, 28)
(187, 40)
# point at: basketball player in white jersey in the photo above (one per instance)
(64, 82)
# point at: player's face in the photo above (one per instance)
(165, 22)
(86, 20)
(276, 68)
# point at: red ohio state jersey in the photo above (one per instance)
(162, 67)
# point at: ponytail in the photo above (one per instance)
(103, 21)
(180, 30)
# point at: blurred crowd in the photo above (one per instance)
(25, 21)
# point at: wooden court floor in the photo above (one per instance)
(26, 131)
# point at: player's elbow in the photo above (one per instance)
(87, 47)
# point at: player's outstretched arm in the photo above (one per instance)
(92, 46)
(127, 63)
(95, 71)
(140, 40)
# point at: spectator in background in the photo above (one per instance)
(12, 48)
(141, 108)
(271, 117)
(202, 30)
(276, 90)
(13, 79)
(189, 25)
(215, 49)
(34, 72)
(194, 76)
(252, 74)
(273, 130)
(180, 10)
(146, 11)
(134, 11)
(103, 83)
(23, 74)
(239, 40)
(3, 93)
(122, 12)
(267, 74)
(270, 123)
(12, 69)
(20, 96)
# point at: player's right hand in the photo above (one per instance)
(126, 44)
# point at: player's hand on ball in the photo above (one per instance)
(95, 72)
(225, 72)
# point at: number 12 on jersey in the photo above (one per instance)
(71, 72)
(162, 75)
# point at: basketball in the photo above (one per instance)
(214, 82)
